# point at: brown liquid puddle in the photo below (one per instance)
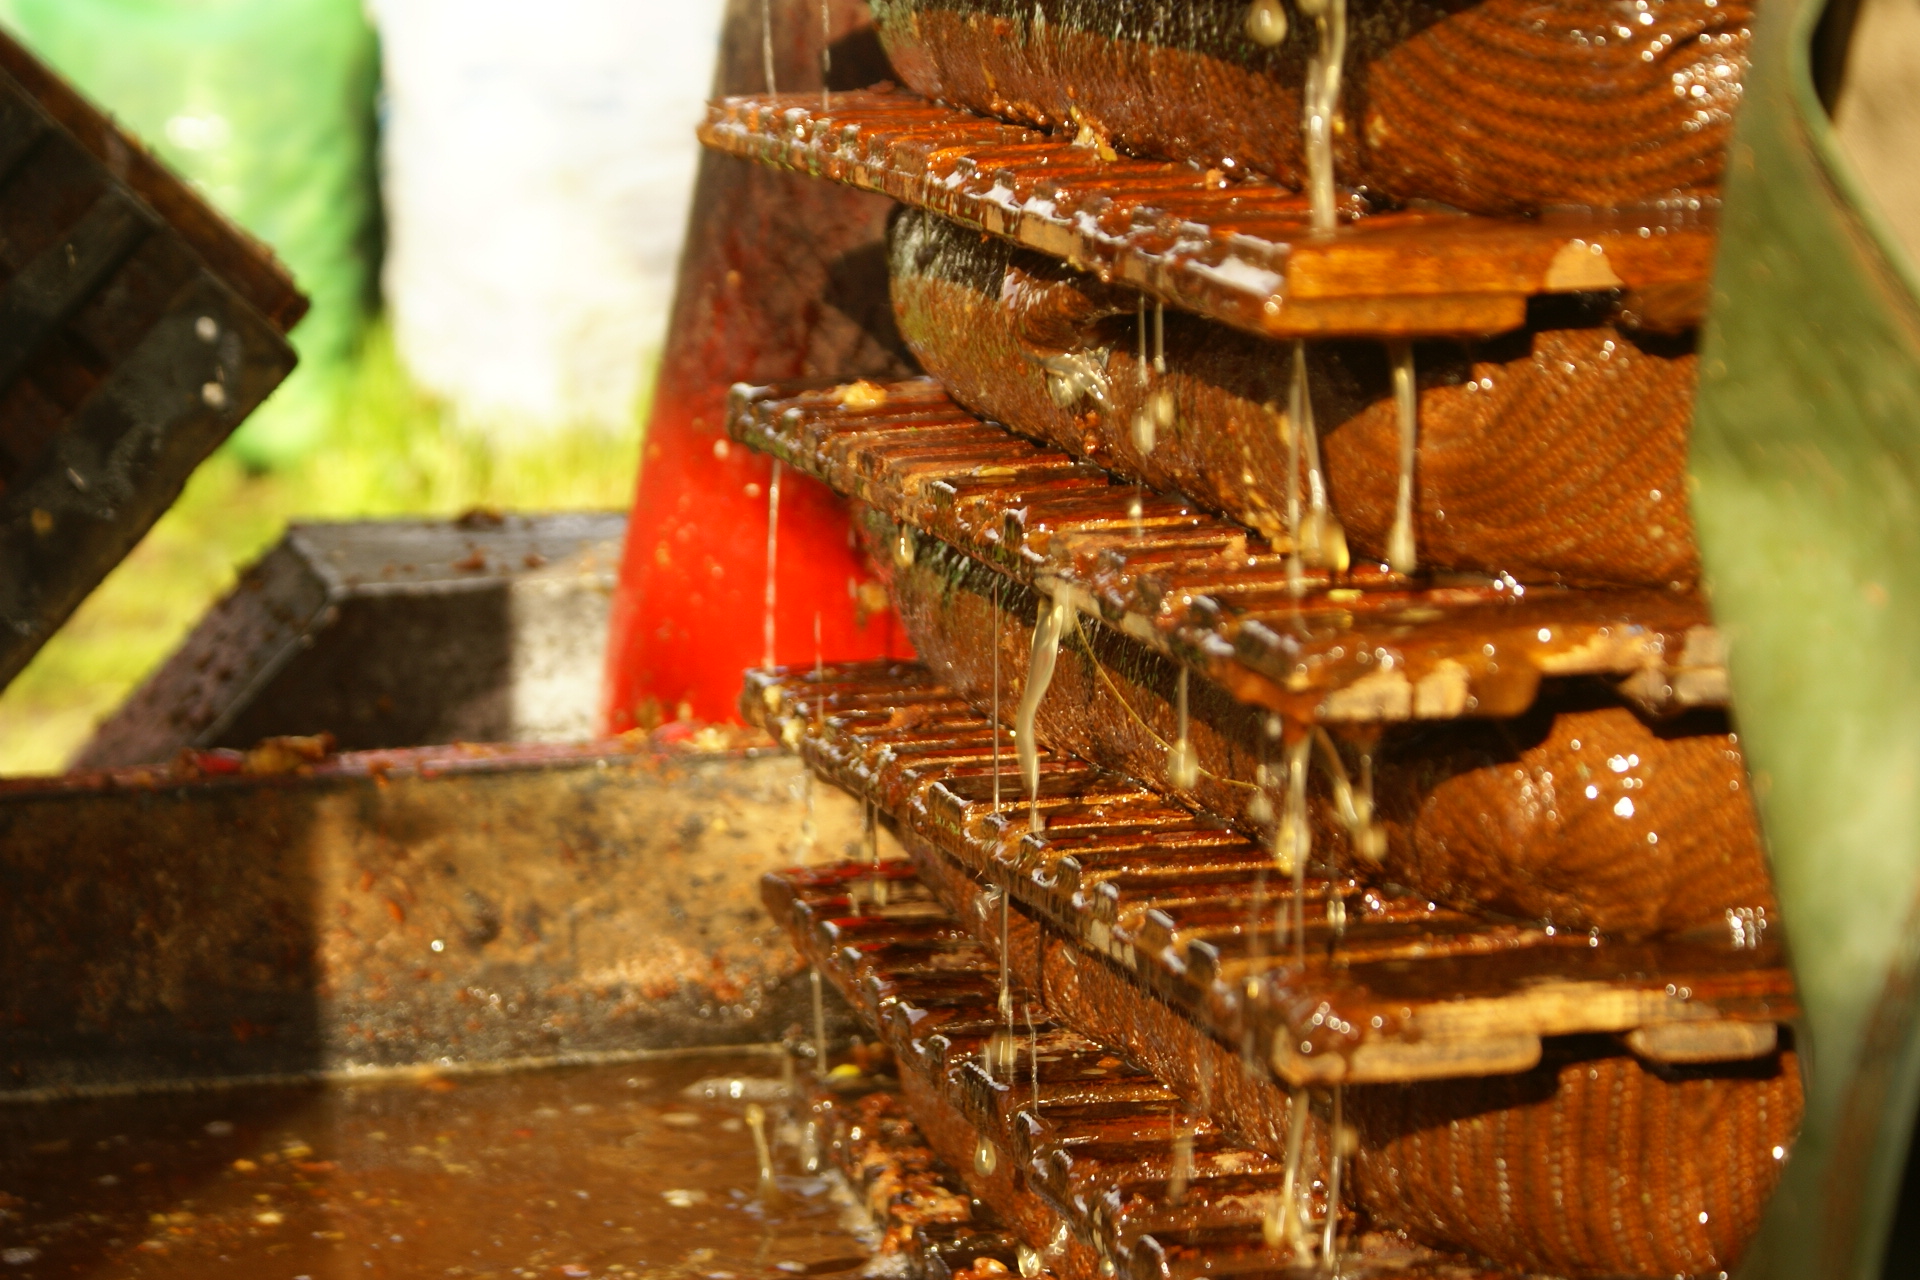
(637, 1169)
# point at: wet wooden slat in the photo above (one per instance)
(1389, 988)
(1369, 646)
(1243, 254)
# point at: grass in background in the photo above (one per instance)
(393, 452)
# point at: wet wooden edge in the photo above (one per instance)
(1411, 1011)
(1242, 253)
(1367, 647)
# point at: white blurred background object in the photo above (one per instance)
(538, 162)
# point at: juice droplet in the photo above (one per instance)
(1266, 23)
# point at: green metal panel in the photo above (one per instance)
(1806, 458)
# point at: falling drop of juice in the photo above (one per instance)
(1266, 23)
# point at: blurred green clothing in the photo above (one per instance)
(267, 107)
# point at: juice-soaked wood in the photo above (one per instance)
(1090, 1136)
(1556, 453)
(1582, 812)
(1341, 982)
(1242, 253)
(1458, 1164)
(1493, 106)
(1367, 646)
(920, 1208)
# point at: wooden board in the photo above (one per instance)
(1046, 1125)
(138, 328)
(1368, 646)
(1339, 981)
(1239, 252)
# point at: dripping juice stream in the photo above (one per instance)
(766, 44)
(826, 55)
(1040, 665)
(1183, 763)
(1293, 845)
(1402, 554)
(996, 693)
(1329, 1235)
(773, 563)
(1320, 101)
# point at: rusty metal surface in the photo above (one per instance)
(1364, 646)
(465, 903)
(1237, 252)
(137, 330)
(390, 633)
(1329, 977)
